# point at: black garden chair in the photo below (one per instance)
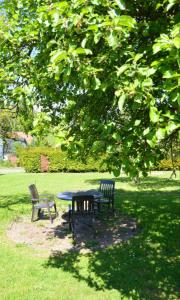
(82, 209)
(107, 188)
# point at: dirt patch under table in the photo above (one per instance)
(107, 230)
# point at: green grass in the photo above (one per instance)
(145, 267)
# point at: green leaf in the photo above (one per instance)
(64, 147)
(55, 15)
(126, 21)
(147, 82)
(97, 37)
(171, 4)
(121, 101)
(170, 74)
(97, 145)
(155, 63)
(112, 40)
(83, 43)
(58, 56)
(93, 27)
(176, 42)
(146, 131)
(160, 133)
(96, 2)
(82, 51)
(157, 47)
(153, 114)
(137, 122)
(138, 56)
(122, 69)
(121, 4)
(116, 136)
(150, 71)
(97, 83)
(61, 5)
(151, 143)
(88, 51)
(171, 127)
(176, 30)
(67, 71)
(116, 172)
(51, 43)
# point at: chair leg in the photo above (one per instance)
(99, 206)
(32, 217)
(113, 206)
(39, 212)
(72, 230)
(71, 224)
(69, 220)
(49, 212)
(55, 209)
(109, 205)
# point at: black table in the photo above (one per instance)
(67, 196)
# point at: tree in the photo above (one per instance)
(7, 124)
(107, 70)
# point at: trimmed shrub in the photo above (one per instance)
(57, 161)
(29, 158)
(166, 164)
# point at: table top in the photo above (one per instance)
(69, 194)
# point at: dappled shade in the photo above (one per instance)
(145, 267)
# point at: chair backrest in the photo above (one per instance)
(83, 204)
(107, 188)
(34, 192)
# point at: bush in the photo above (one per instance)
(166, 164)
(57, 161)
(5, 164)
(29, 158)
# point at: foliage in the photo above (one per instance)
(5, 164)
(106, 69)
(7, 124)
(30, 159)
(166, 164)
(41, 128)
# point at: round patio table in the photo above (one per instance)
(69, 194)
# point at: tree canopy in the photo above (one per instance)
(106, 70)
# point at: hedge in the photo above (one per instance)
(30, 159)
(166, 164)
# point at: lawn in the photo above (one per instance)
(145, 267)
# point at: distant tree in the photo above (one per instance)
(6, 125)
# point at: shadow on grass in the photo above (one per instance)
(145, 183)
(146, 266)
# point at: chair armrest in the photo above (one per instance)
(46, 197)
(35, 200)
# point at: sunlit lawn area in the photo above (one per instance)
(145, 267)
